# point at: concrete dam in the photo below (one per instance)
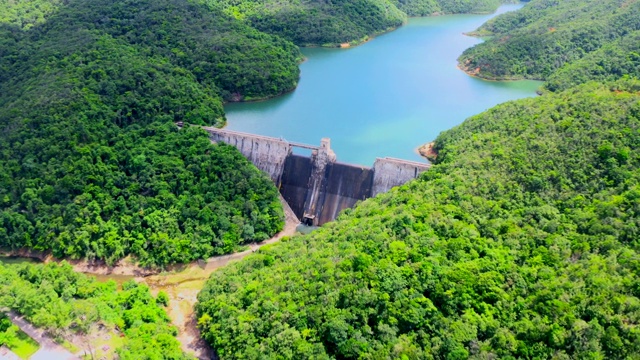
(317, 187)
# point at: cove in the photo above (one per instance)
(385, 97)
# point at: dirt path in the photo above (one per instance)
(183, 287)
(49, 349)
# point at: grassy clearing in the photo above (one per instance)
(108, 344)
(165, 281)
(70, 346)
(23, 346)
(104, 344)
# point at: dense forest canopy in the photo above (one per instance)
(319, 22)
(547, 35)
(24, 14)
(91, 163)
(439, 7)
(222, 53)
(63, 302)
(520, 242)
(614, 60)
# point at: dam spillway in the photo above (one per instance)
(317, 187)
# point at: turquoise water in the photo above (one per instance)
(385, 97)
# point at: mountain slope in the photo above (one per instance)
(429, 7)
(620, 58)
(545, 35)
(91, 163)
(521, 241)
(330, 23)
(316, 22)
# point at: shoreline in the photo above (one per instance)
(427, 151)
(127, 267)
(474, 74)
(262, 98)
(355, 43)
(367, 38)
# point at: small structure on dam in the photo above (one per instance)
(317, 187)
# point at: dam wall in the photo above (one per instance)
(295, 182)
(321, 160)
(390, 172)
(346, 185)
(266, 153)
(317, 187)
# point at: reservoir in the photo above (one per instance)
(385, 97)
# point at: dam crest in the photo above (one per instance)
(317, 187)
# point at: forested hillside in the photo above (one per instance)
(329, 23)
(91, 163)
(547, 35)
(612, 61)
(520, 242)
(62, 302)
(439, 7)
(315, 22)
(25, 14)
